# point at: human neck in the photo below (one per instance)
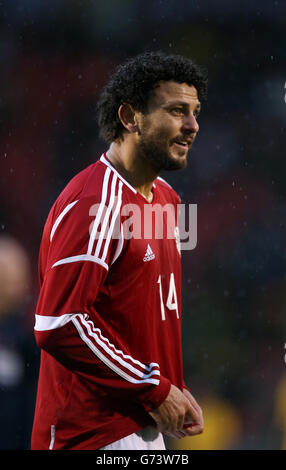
(137, 171)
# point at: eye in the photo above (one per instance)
(177, 111)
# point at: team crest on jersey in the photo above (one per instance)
(177, 237)
(149, 255)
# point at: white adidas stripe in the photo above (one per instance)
(60, 217)
(106, 361)
(120, 245)
(110, 349)
(102, 216)
(106, 217)
(99, 212)
(46, 322)
(113, 220)
(106, 162)
(113, 354)
(84, 257)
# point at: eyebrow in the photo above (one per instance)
(181, 103)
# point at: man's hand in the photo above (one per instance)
(193, 428)
(179, 415)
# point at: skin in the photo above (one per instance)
(152, 143)
(179, 415)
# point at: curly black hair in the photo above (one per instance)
(133, 82)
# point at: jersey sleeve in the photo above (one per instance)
(80, 244)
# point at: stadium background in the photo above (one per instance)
(55, 57)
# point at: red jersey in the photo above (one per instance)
(108, 318)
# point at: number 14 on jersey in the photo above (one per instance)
(172, 302)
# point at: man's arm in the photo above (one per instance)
(68, 326)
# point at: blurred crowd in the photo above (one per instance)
(55, 57)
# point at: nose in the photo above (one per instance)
(190, 124)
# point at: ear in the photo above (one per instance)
(127, 117)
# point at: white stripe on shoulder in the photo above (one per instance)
(106, 162)
(113, 220)
(60, 217)
(99, 212)
(164, 181)
(105, 217)
(120, 245)
(85, 257)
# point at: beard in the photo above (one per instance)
(155, 150)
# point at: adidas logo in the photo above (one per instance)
(149, 255)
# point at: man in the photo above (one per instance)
(108, 316)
